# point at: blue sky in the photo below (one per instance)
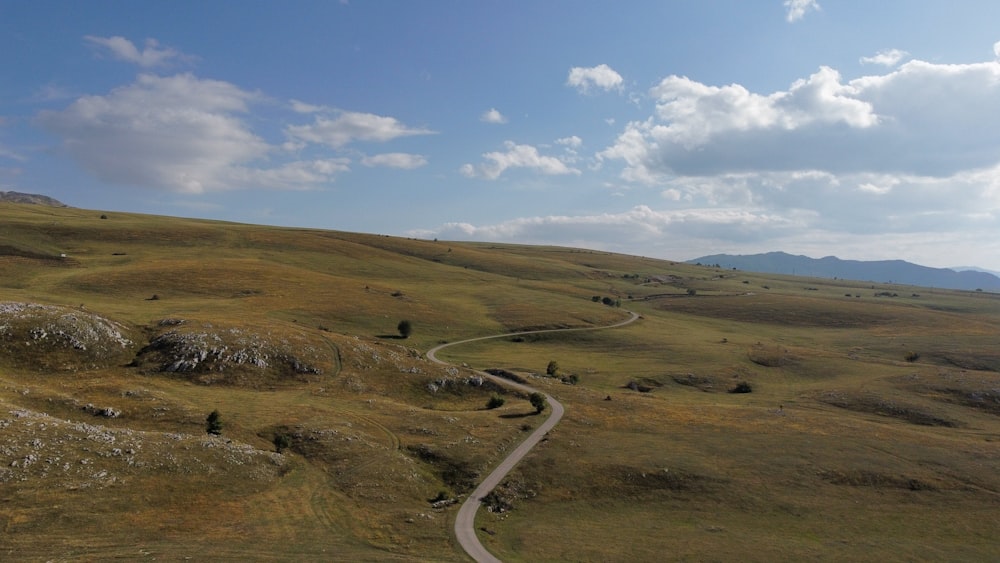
(865, 130)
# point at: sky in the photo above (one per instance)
(669, 129)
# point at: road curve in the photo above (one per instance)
(465, 522)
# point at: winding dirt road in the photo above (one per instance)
(465, 522)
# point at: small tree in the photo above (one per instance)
(282, 442)
(405, 328)
(496, 401)
(742, 387)
(538, 401)
(552, 369)
(213, 424)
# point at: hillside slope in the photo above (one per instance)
(743, 416)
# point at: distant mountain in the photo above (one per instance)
(975, 269)
(883, 271)
(18, 197)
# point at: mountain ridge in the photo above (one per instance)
(36, 199)
(881, 271)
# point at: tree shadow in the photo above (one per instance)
(518, 415)
(389, 337)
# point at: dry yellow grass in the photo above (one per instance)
(848, 448)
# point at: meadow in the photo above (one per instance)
(868, 428)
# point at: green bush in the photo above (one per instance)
(405, 328)
(538, 401)
(496, 401)
(742, 387)
(282, 442)
(213, 424)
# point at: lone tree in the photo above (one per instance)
(538, 401)
(213, 424)
(552, 369)
(282, 442)
(405, 328)
(496, 401)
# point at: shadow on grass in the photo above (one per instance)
(390, 337)
(519, 415)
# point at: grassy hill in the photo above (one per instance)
(871, 431)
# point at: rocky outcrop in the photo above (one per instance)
(206, 353)
(36, 199)
(59, 338)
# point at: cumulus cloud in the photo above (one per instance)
(493, 116)
(888, 57)
(405, 161)
(921, 118)
(178, 133)
(350, 126)
(796, 9)
(517, 156)
(151, 55)
(909, 154)
(601, 77)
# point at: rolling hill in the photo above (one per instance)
(882, 271)
(744, 416)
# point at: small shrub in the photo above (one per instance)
(282, 442)
(742, 387)
(213, 424)
(538, 401)
(405, 328)
(912, 356)
(552, 369)
(596, 299)
(496, 401)
(692, 291)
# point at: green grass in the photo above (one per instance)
(845, 449)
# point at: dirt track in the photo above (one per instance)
(465, 522)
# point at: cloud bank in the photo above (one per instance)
(190, 135)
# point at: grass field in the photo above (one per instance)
(871, 432)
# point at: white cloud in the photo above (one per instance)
(350, 126)
(121, 48)
(302, 107)
(996, 49)
(601, 77)
(405, 161)
(797, 9)
(493, 116)
(640, 227)
(467, 170)
(177, 133)
(573, 142)
(921, 118)
(888, 57)
(10, 154)
(911, 152)
(517, 156)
